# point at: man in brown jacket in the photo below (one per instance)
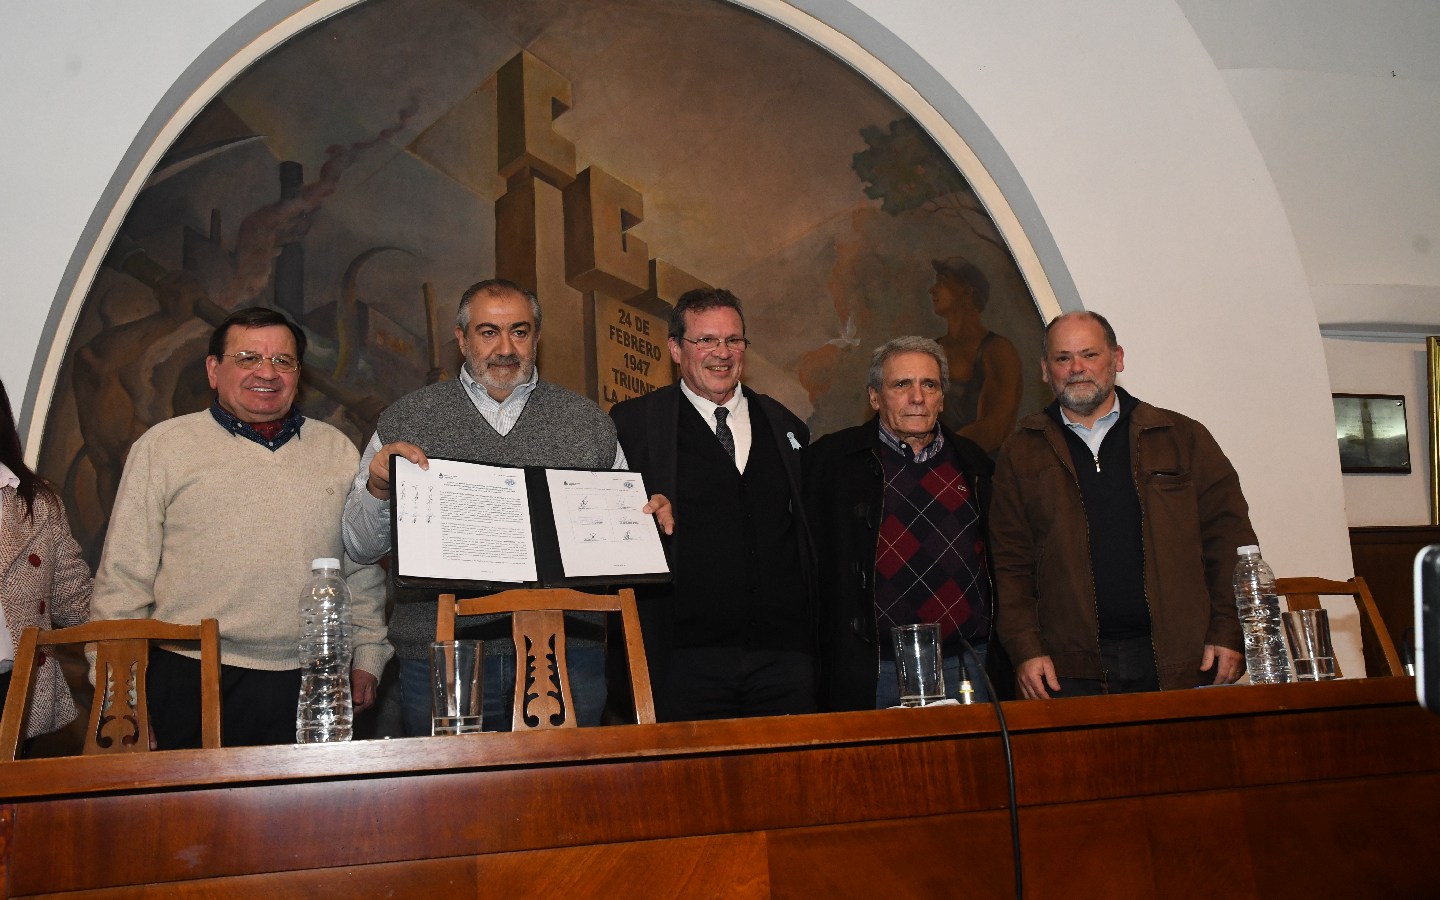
(1113, 528)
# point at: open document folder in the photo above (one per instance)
(492, 526)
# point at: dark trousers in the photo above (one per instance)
(1130, 669)
(733, 682)
(256, 706)
(22, 751)
(5, 692)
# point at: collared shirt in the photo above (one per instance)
(7, 651)
(501, 414)
(289, 427)
(926, 452)
(1094, 436)
(7, 479)
(738, 420)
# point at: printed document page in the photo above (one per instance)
(462, 521)
(601, 528)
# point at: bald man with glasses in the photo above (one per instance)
(219, 515)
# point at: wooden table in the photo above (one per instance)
(1277, 790)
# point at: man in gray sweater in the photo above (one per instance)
(498, 412)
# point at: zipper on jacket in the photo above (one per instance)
(983, 521)
(1067, 463)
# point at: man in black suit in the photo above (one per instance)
(734, 633)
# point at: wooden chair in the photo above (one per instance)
(538, 629)
(119, 714)
(1381, 659)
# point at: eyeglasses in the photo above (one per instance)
(249, 359)
(736, 344)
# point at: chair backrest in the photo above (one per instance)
(119, 714)
(1381, 659)
(538, 629)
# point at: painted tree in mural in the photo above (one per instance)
(908, 172)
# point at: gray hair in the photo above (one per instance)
(494, 287)
(910, 343)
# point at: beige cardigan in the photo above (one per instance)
(45, 584)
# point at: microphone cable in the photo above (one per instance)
(1009, 759)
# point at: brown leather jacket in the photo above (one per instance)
(1193, 517)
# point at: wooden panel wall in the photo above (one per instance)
(1385, 557)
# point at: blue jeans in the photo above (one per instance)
(887, 688)
(586, 664)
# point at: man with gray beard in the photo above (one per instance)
(498, 412)
(1113, 529)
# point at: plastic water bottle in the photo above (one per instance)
(1260, 618)
(325, 629)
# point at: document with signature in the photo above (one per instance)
(494, 526)
(600, 527)
(458, 521)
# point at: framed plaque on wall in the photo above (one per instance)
(1372, 433)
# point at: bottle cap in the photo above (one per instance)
(328, 562)
(1248, 550)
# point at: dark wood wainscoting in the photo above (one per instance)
(1385, 557)
(1286, 790)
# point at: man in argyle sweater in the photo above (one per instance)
(898, 507)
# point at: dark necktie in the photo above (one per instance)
(722, 431)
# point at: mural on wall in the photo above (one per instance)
(608, 154)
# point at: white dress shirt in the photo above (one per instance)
(1094, 436)
(738, 420)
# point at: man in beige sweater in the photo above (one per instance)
(219, 515)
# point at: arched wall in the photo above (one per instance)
(1137, 184)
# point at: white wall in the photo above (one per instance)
(1162, 207)
(78, 78)
(1112, 118)
(1346, 112)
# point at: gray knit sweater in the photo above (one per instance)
(557, 429)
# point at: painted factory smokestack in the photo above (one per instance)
(290, 264)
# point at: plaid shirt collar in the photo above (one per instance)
(926, 453)
(289, 427)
